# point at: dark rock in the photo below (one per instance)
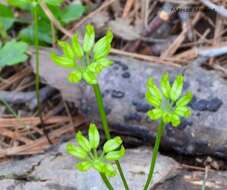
(133, 117)
(214, 104)
(142, 107)
(211, 105)
(123, 66)
(126, 75)
(185, 123)
(200, 105)
(185, 180)
(117, 94)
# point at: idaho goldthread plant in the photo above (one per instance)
(86, 62)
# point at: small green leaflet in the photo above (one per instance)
(6, 17)
(27, 34)
(54, 2)
(22, 4)
(72, 13)
(12, 53)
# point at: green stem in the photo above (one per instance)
(37, 68)
(105, 126)
(36, 42)
(106, 181)
(53, 34)
(100, 104)
(160, 132)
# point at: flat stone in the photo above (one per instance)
(205, 133)
(54, 170)
(184, 180)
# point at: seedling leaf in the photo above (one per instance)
(75, 151)
(112, 144)
(89, 38)
(93, 136)
(115, 155)
(12, 53)
(83, 142)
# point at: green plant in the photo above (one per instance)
(169, 107)
(90, 157)
(86, 62)
(12, 53)
(6, 20)
(64, 13)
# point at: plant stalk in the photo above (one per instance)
(53, 34)
(160, 132)
(37, 69)
(106, 181)
(100, 104)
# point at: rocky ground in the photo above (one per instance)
(123, 87)
(54, 170)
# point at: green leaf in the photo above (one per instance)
(83, 142)
(109, 170)
(103, 46)
(165, 85)
(62, 61)
(175, 120)
(12, 53)
(89, 38)
(112, 144)
(54, 2)
(177, 87)
(75, 76)
(27, 34)
(77, 47)
(115, 155)
(67, 49)
(98, 66)
(152, 100)
(83, 166)
(72, 12)
(155, 114)
(166, 117)
(93, 136)
(77, 152)
(153, 89)
(89, 77)
(184, 100)
(6, 17)
(99, 165)
(22, 4)
(183, 111)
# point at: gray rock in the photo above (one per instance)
(55, 171)
(205, 133)
(184, 180)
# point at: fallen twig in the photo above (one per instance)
(162, 17)
(221, 10)
(176, 44)
(53, 19)
(28, 98)
(154, 59)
